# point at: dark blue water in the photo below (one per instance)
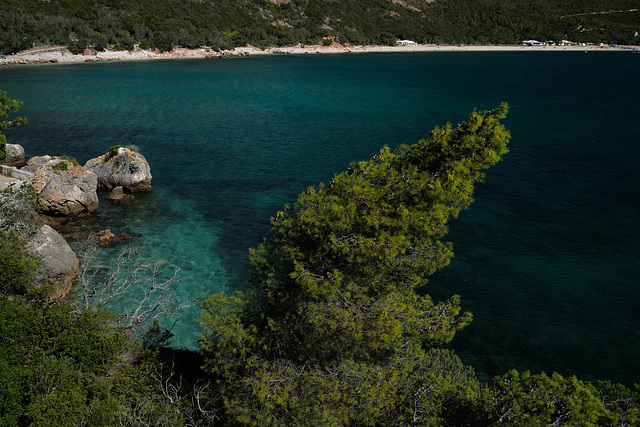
(546, 259)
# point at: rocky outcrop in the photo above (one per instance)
(108, 239)
(36, 163)
(127, 169)
(60, 262)
(118, 196)
(63, 189)
(15, 155)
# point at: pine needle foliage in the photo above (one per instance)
(335, 303)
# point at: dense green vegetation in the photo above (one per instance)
(333, 332)
(64, 368)
(18, 268)
(58, 365)
(228, 23)
(8, 107)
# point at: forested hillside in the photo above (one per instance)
(223, 24)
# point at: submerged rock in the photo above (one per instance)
(108, 239)
(63, 188)
(127, 169)
(60, 262)
(118, 195)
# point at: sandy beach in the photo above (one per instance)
(62, 55)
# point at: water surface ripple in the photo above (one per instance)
(546, 259)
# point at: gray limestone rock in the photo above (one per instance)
(15, 156)
(65, 190)
(127, 169)
(60, 261)
(36, 163)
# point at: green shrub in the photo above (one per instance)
(60, 166)
(18, 266)
(3, 148)
(19, 209)
(8, 106)
(66, 163)
(77, 47)
(91, 341)
(113, 151)
(146, 44)
(70, 159)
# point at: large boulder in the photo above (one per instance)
(126, 168)
(63, 188)
(15, 155)
(61, 264)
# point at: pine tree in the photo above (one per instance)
(6, 107)
(335, 317)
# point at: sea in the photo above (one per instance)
(547, 258)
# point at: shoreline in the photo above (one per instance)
(62, 55)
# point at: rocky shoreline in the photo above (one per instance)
(64, 189)
(61, 55)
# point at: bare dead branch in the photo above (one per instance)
(103, 283)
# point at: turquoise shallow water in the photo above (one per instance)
(546, 259)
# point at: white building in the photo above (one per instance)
(532, 43)
(406, 43)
